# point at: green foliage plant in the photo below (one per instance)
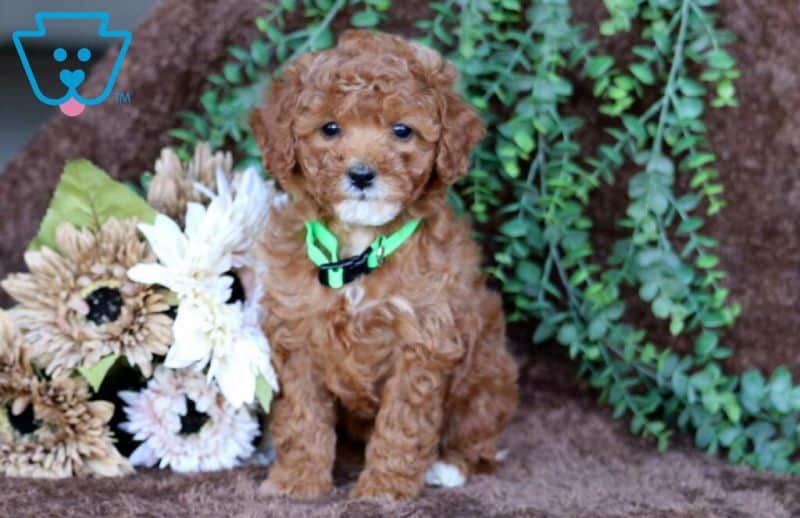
(532, 181)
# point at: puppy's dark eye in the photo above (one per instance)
(402, 131)
(330, 129)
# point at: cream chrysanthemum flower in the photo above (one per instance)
(195, 265)
(77, 304)
(50, 429)
(184, 423)
(174, 184)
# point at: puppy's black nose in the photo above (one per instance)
(361, 175)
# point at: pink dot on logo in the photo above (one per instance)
(72, 108)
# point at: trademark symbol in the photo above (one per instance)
(123, 97)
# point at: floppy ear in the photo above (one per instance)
(272, 127)
(462, 128)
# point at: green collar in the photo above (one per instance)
(335, 273)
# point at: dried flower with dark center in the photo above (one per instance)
(25, 422)
(50, 428)
(193, 420)
(105, 305)
(77, 304)
(173, 185)
(182, 421)
(237, 289)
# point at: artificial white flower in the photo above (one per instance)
(208, 331)
(216, 238)
(185, 424)
(227, 338)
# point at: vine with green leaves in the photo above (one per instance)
(531, 174)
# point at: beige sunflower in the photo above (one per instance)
(173, 185)
(77, 304)
(17, 379)
(50, 429)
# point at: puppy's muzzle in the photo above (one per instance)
(362, 176)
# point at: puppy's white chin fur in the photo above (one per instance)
(367, 212)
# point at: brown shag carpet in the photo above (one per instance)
(566, 457)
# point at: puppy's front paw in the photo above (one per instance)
(371, 485)
(298, 486)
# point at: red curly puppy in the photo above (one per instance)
(407, 346)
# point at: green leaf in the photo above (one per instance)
(324, 40)
(780, 387)
(97, 372)
(643, 73)
(544, 331)
(511, 167)
(704, 436)
(366, 18)
(720, 59)
(689, 107)
(726, 89)
(263, 393)
(239, 53)
(528, 271)
(689, 225)
(662, 165)
(260, 53)
(514, 228)
(707, 261)
(728, 435)
(442, 34)
(567, 334)
(690, 87)
(649, 256)
(706, 342)
(599, 65)
(86, 196)
(232, 72)
(699, 159)
(752, 383)
(634, 126)
(702, 380)
(184, 135)
(597, 328)
(648, 291)
(661, 307)
(524, 140)
(732, 408)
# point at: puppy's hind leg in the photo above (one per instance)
(480, 403)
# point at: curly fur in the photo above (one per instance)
(412, 357)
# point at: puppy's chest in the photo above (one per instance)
(362, 335)
(354, 332)
(356, 342)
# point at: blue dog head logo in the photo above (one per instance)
(72, 103)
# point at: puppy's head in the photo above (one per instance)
(366, 128)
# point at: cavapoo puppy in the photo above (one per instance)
(377, 311)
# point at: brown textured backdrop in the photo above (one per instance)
(568, 457)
